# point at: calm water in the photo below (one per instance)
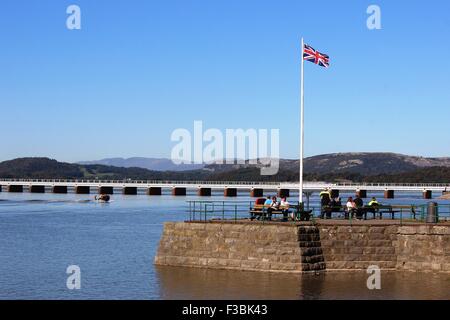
(114, 245)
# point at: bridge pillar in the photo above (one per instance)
(105, 190)
(230, 192)
(129, 190)
(82, 190)
(334, 193)
(389, 194)
(15, 188)
(177, 191)
(361, 193)
(283, 193)
(204, 192)
(154, 191)
(37, 189)
(59, 189)
(0, 188)
(256, 193)
(427, 194)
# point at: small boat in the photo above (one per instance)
(103, 198)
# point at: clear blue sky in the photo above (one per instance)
(137, 70)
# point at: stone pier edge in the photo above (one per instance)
(402, 238)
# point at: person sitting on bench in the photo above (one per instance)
(325, 200)
(275, 205)
(359, 203)
(335, 205)
(373, 202)
(373, 206)
(284, 208)
(350, 208)
(268, 201)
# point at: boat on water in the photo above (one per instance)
(103, 198)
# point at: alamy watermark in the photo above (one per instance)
(74, 279)
(374, 280)
(374, 20)
(73, 21)
(235, 146)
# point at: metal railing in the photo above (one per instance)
(292, 184)
(165, 182)
(218, 210)
(199, 210)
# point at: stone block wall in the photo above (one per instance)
(358, 246)
(424, 248)
(305, 247)
(264, 247)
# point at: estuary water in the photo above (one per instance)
(114, 245)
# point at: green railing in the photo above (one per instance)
(203, 210)
(200, 210)
(218, 210)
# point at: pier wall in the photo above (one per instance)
(424, 248)
(239, 246)
(301, 248)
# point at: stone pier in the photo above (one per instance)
(361, 193)
(389, 194)
(59, 189)
(15, 188)
(256, 193)
(305, 247)
(230, 192)
(129, 191)
(37, 189)
(204, 192)
(82, 190)
(105, 190)
(283, 193)
(154, 191)
(427, 194)
(277, 248)
(178, 191)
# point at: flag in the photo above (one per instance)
(309, 54)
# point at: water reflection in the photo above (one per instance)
(193, 283)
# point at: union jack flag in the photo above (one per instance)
(309, 54)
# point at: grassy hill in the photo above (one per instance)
(44, 168)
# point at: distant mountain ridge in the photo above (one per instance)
(356, 167)
(365, 163)
(156, 164)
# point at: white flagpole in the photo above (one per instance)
(302, 122)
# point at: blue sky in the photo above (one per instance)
(137, 70)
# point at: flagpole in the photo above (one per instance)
(302, 122)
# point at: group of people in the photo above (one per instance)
(353, 208)
(272, 204)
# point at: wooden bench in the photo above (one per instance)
(393, 209)
(326, 212)
(263, 212)
(362, 212)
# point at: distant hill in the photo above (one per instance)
(157, 164)
(350, 163)
(357, 167)
(44, 168)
